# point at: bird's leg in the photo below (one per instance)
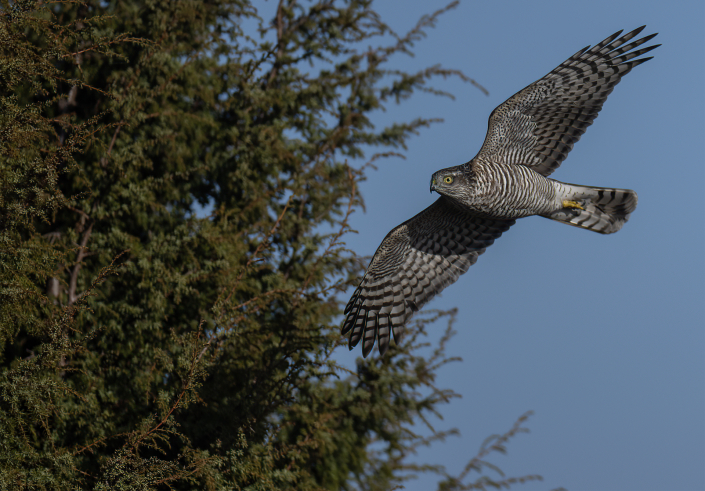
(572, 204)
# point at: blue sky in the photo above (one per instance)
(602, 336)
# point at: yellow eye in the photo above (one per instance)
(448, 179)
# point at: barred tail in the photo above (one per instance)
(604, 210)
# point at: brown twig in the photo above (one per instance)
(187, 385)
(280, 45)
(165, 418)
(334, 240)
(498, 446)
(96, 442)
(112, 142)
(77, 267)
(254, 256)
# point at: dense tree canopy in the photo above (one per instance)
(147, 346)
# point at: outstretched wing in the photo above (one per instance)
(416, 260)
(539, 125)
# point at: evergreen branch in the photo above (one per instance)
(498, 445)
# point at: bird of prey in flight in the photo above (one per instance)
(528, 137)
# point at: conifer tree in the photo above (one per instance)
(147, 346)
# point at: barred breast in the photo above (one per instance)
(508, 192)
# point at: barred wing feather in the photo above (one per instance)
(539, 125)
(415, 261)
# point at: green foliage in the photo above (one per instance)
(147, 347)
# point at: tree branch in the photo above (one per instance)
(280, 47)
(77, 267)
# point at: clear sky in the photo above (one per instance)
(602, 336)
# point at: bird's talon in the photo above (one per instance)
(572, 204)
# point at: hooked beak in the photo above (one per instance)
(433, 185)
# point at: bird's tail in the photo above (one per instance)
(602, 210)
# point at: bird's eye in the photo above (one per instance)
(448, 179)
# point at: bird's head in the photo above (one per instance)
(451, 182)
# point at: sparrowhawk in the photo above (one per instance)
(528, 137)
